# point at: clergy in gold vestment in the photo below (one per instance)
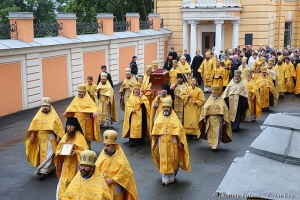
(227, 67)
(106, 102)
(115, 168)
(236, 98)
(44, 133)
(290, 87)
(88, 184)
(146, 84)
(85, 109)
(193, 98)
(218, 74)
(257, 72)
(91, 87)
(185, 69)
(155, 65)
(178, 89)
(282, 74)
(272, 72)
(243, 67)
(267, 91)
(254, 102)
(156, 107)
(214, 120)
(261, 60)
(297, 77)
(168, 144)
(205, 70)
(126, 88)
(136, 118)
(67, 165)
(173, 73)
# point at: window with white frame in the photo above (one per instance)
(288, 33)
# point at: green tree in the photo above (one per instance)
(7, 6)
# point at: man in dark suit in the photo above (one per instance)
(173, 54)
(103, 68)
(197, 61)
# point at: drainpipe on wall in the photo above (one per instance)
(279, 27)
(269, 34)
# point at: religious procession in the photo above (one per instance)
(165, 105)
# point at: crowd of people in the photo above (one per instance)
(242, 83)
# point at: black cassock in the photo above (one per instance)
(197, 61)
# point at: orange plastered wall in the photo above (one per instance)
(125, 57)
(150, 54)
(92, 62)
(10, 87)
(55, 78)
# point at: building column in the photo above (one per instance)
(235, 33)
(218, 46)
(185, 35)
(193, 38)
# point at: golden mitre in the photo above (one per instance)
(46, 101)
(137, 85)
(270, 60)
(258, 64)
(148, 67)
(81, 88)
(207, 53)
(182, 58)
(263, 59)
(237, 72)
(248, 72)
(155, 63)
(88, 157)
(167, 102)
(244, 59)
(104, 75)
(280, 58)
(263, 69)
(127, 71)
(110, 137)
(215, 89)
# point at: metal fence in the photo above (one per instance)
(8, 31)
(47, 29)
(122, 26)
(146, 24)
(89, 27)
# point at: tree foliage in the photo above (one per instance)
(43, 10)
(86, 10)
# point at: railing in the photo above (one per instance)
(8, 31)
(122, 26)
(211, 3)
(89, 27)
(146, 24)
(206, 3)
(47, 29)
(231, 3)
(161, 23)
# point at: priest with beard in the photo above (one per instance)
(214, 122)
(168, 144)
(283, 74)
(267, 91)
(88, 182)
(236, 98)
(197, 61)
(156, 107)
(136, 118)
(67, 165)
(115, 168)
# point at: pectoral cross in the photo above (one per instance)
(42, 125)
(166, 131)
